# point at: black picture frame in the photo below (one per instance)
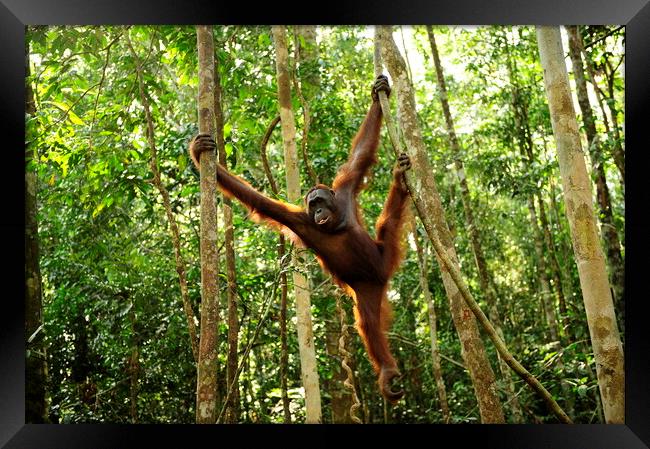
(16, 14)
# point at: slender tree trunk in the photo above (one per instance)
(307, 82)
(605, 338)
(307, 58)
(618, 153)
(406, 55)
(301, 287)
(262, 412)
(608, 228)
(485, 277)
(206, 386)
(35, 363)
(555, 266)
(435, 354)
(232, 388)
(472, 348)
(546, 298)
(284, 352)
(565, 253)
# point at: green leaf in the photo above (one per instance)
(182, 162)
(264, 40)
(582, 390)
(98, 209)
(74, 118)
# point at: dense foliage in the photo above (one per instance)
(116, 335)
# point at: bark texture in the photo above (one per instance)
(605, 338)
(206, 386)
(309, 372)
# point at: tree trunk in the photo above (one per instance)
(341, 396)
(232, 389)
(564, 253)
(472, 348)
(307, 58)
(284, 353)
(618, 153)
(35, 363)
(555, 266)
(608, 228)
(485, 277)
(435, 354)
(546, 298)
(301, 287)
(307, 83)
(599, 308)
(262, 411)
(206, 386)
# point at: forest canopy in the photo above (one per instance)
(114, 308)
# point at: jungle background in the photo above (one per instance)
(108, 325)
